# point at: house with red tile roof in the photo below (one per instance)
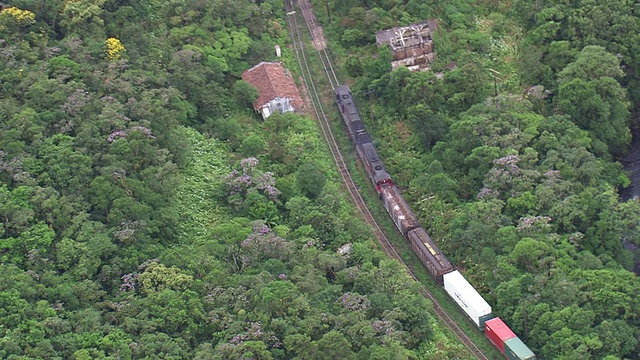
(278, 91)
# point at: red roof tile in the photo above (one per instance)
(272, 80)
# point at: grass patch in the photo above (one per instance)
(200, 190)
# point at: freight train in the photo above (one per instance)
(458, 288)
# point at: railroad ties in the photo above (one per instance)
(293, 9)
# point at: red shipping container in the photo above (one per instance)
(498, 332)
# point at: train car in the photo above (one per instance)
(360, 135)
(472, 303)
(361, 139)
(374, 167)
(399, 210)
(515, 349)
(498, 332)
(458, 288)
(348, 110)
(351, 116)
(429, 253)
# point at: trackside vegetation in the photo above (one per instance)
(146, 212)
(508, 151)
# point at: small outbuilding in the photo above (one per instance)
(411, 45)
(345, 249)
(278, 91)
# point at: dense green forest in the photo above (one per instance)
(146, 212)
(510, 155)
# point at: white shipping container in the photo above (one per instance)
(467, 298)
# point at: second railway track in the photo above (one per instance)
(294, 8)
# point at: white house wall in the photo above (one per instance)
(279, 104)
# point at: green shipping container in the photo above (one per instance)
(515, 349)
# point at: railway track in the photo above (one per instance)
(294, 8)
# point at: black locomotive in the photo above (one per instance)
(396, 206)
(361, 139)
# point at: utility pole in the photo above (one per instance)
(328, 13)
(494, 74)
(526, 328)
(371, 106)
(369, 93)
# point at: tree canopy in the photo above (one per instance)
(507, 152)
(146, 211)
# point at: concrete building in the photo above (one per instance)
(278, 91)
(411, 45)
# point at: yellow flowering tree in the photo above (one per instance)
(17, 16)
(114, 49)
